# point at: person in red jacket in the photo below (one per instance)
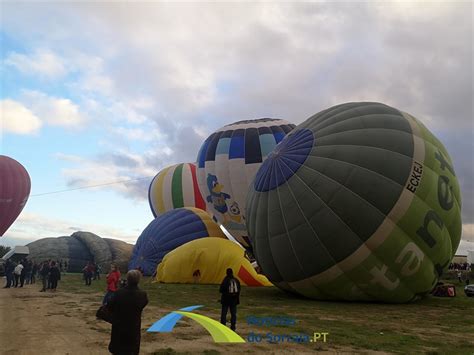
(113, 280)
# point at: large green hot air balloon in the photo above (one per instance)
(359, 202)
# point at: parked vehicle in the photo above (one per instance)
(469, 290)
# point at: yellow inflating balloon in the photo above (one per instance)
(205, 261)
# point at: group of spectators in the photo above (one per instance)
(26, 271)
(462, 270)
(461, 266)
(50, 275)
(17, 274)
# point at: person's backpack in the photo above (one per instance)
(233, 289)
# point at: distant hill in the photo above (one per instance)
(81, 247)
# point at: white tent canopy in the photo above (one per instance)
(464, 247)
(18, 250)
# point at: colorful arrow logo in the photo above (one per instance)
(219, 332)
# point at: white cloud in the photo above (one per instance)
(97, 83)
(42, 62)
(111, 112)
(54, 110)
(126, 173)
(137, 134)
(16, 118)
(69, 158)
(132, 171)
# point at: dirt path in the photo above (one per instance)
(36, 322)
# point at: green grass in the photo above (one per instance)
(432, 325)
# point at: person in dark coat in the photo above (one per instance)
(34, 271)
(50, 262)
(44, 272)
(88, 273)
(9, 267)
(28, 271)
(126, 307)
(54, 276)
(230, 298)
(24, 272)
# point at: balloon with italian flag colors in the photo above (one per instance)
(175, 187)
(360, 202)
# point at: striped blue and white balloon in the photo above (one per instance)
(227, 163)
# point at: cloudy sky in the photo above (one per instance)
(100, 92)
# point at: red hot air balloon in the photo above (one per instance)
(14, 191)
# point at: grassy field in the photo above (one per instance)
(432, 325)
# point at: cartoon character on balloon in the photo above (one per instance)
(218, 199)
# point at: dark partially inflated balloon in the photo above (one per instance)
(14, 191)
(169, 231)
(359, 202)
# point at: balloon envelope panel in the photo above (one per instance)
(359, 202)
(205, 261)
(174, 187)
(14, 191)
(169, 231)
(227, 163)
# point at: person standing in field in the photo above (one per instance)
(28, 269)
(88, 272)
(34, 270)
(18, 270)
(9, 268)
(126, 307)
(49, 279)
(230, 298)
(25, 273)
(113, 280)
(54, 276)
(98, 269)
(44, 273)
